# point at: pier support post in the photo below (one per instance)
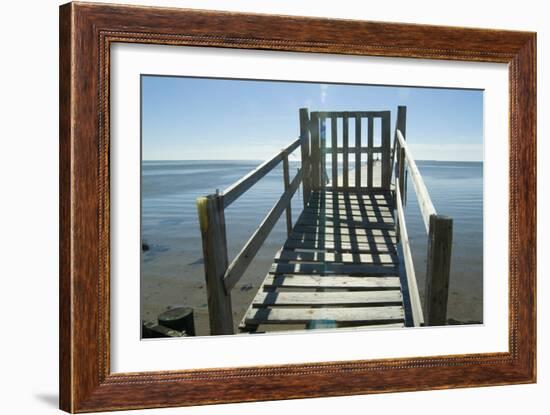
(214, 246)
(440, 239)
(401, 125)
(306, 157)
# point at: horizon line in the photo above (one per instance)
(261, 160)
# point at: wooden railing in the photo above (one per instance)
(222, 276)
(439, 229)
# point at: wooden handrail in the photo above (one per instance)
(440, 235)
(427, 208)
(238, 188)
(240, 263)
(416, 305)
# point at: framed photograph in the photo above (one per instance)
(258, 207)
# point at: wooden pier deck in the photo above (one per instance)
(347, 260)
(338, 268)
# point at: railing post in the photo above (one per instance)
(402, 119)
(401, 125)
(440, 239)
(386, 150)
(306, 158)
(286, 179)
(315, 152)
(214, 246)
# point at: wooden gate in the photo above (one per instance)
(358, 140)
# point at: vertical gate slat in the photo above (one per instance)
(370, 145)
(386, 150)
(345, 143)
(357, 151)
(323, 151)
(334, 139)
(315, 154)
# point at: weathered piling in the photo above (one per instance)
(214, 246)
(440, 239)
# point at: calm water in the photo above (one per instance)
(172, 269)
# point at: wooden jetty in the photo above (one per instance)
(347, 259)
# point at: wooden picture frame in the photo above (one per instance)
(86, 33)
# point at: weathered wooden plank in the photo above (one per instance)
(363, 212)
(330, 193)
(371, 226)
(352, 205)
(363, 114)
(306, 156)
(373, 241)
(242, 185)
(440, 240)
(357, 151)
(346, 207)
(353, 222)
(371, 233)
(214, 246)
(336, 257)
(365, 238)
(377, 194)
(337, 193)
(386, 150)
(329, 298)
(345, 150)
(339, 246)
(286, 180)
(424, 201)
(370, 144)
(333, 282)
(243, 259)
(334, 139)
(305, 315)
(315, 152)
(401, 125)
(416, 305)
(323, 141)
(330, 268)
(383, 223)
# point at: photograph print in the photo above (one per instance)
(270, 206)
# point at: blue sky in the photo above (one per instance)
(219, 119)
